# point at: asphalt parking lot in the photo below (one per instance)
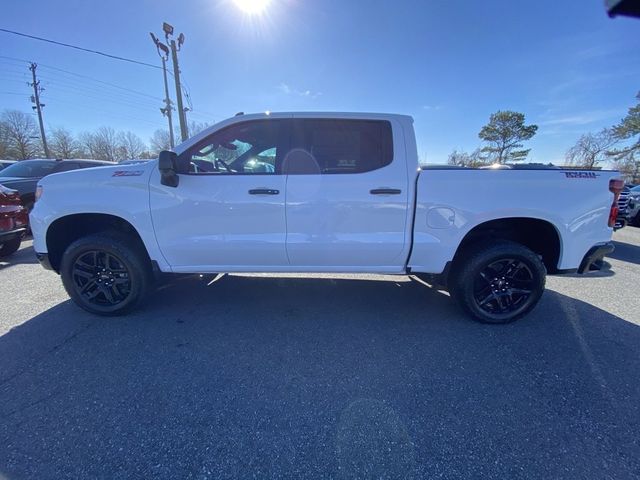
(308, 377)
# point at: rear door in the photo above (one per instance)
(227, 212)
(347, 200)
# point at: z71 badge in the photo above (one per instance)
(127, 173)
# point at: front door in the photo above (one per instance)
(228, 211)
(347, 196)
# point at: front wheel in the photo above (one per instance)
(105, 274)
(499, 282)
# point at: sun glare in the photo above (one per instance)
(252, 7)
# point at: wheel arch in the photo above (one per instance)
(540, 236)
(69, 228)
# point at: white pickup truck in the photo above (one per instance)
(320, 192)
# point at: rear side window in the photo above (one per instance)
(343, 146)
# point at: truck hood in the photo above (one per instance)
(120, 174)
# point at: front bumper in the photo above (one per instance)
(594, 257)
(43, 258)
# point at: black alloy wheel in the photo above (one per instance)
(106, 273)
(503, 286)
(101, 278)
(497, 282)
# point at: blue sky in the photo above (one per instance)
(448, 63)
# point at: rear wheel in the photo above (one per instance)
(499, 282)
(104, 274)
(9, 247)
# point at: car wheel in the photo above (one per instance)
(636, 220)
(104, 274)
(9, 247)
(498, 283)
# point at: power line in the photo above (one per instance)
(71, 83)
(50, 67)
(131, 90)
(198, 112)
(119, 115)
(96, 52)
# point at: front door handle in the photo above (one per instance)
(263, 191)
(385, 191)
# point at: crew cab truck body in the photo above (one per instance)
(320, 192)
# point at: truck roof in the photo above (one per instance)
(242, 117)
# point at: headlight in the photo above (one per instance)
(38, 192)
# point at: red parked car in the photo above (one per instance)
(13, 221)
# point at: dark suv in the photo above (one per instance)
(23, 176)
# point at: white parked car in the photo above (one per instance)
(321, 192)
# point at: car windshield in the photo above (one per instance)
(31, 168)
(636, 189)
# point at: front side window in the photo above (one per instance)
(245, 148)
(341, 146)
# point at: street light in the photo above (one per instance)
(168, 31)
(163, 52)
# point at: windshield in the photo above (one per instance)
(30, 168)
(636, 189)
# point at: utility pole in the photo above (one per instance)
(38, 107)
(163, 51)
(168, 30)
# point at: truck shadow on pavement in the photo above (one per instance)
(307, 377)
(626, 252)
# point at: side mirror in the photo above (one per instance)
(167, 166)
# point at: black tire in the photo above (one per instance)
(497, 282)
(9, 247)
(106, 274)
(636, 220)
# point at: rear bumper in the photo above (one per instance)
(12, 234)
(594, 256)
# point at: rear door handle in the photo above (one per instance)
(263, 191)
(385, 191)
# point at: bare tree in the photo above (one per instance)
(89, 144)
(130, 146)
(196, 127)
(4, 141)
(627, 158)
(102, 144)
(160, 141)
(62, 144)
(591, 149)
(21, 135)
(464, 159)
